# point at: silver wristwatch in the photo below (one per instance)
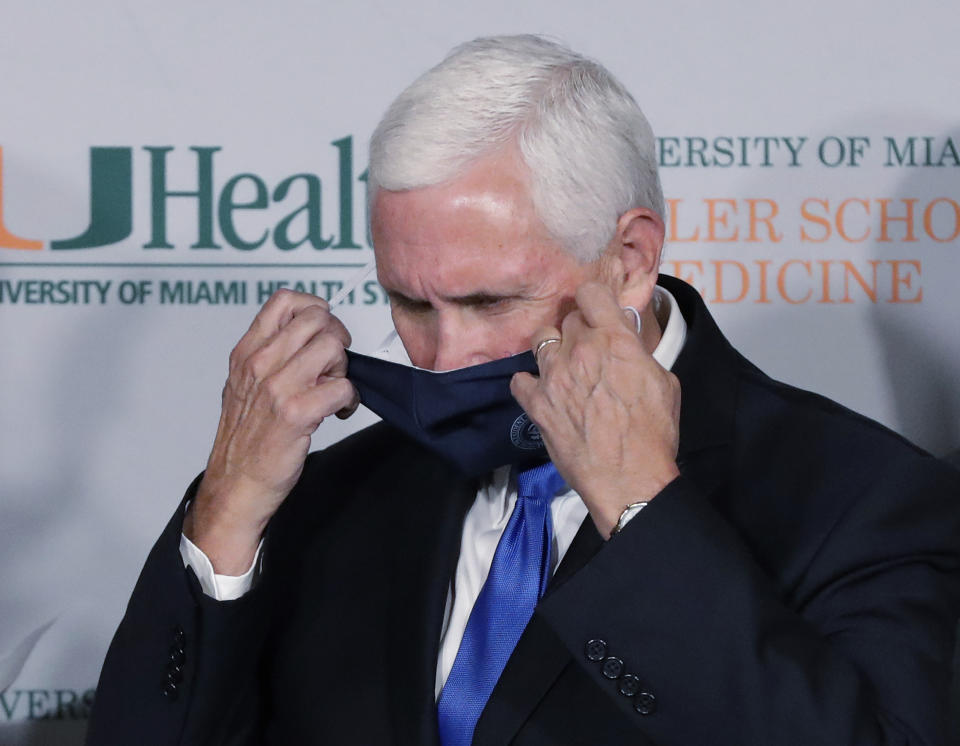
(625, 517)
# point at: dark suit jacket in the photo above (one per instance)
(798, 584)
(953, 458)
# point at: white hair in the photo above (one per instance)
(588, 147)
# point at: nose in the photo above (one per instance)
(461, 341)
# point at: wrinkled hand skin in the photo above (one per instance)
(287, 374)
(608, 412)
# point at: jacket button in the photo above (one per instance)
(170, 690)
(177, 656)
(596, 650)
(178, 635)
(629, 685)
(612, 668)
(645, 703)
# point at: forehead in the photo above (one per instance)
(453, 237)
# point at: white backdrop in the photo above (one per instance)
(113, 355)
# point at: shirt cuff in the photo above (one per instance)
(219, 587)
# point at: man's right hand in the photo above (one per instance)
(287, 374)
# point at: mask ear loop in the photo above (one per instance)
(636, 316)
(352, 284)
(383, 349)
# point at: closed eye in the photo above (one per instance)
(412, 305)
(483, 301)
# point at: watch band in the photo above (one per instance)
(628, 513)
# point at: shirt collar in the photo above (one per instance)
(672, 325)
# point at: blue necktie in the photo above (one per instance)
(517, 579)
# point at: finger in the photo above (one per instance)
(330, 323)
(331, 396)
(322, 357)
(308, 323)
(599, 305)
(281, 307)
(276, 313)
(348, 410)
(322, 360)
(574, 326)
(523, 386)
(541, 344)
(613, 275)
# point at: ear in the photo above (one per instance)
(638, 243)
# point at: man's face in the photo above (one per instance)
(470, 270)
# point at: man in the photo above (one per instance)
(724, 559)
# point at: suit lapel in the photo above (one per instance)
(539, 658)
(708, 371)
(585, 544)
(427, 540)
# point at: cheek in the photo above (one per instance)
(418, 336)
(506, 336)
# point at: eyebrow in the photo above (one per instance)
(479, 298)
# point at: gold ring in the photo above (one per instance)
(544, 343)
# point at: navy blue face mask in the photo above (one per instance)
(468, 415)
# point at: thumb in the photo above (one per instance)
(523, 386)
(613, 275)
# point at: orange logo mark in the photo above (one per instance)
(9, 240)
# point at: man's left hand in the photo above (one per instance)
(608, 412)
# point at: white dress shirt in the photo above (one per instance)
(482, 527)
